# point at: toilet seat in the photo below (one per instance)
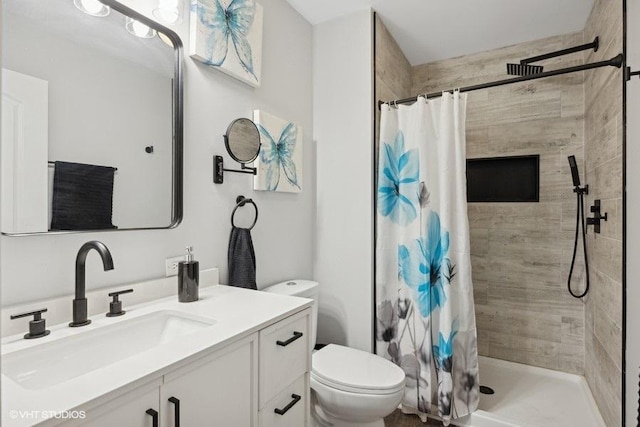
(356, 371)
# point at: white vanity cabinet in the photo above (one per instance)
(128, 410)
(285, 362)
(251, 382)
(219, 390)
(220, 387)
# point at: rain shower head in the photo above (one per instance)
(574, 171)
(523, 69)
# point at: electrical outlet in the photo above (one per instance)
(171, 265)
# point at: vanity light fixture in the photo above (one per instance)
(139, 29)
(92, 7)
(169, 11)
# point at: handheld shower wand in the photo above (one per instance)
(580, 192)
(574, 171)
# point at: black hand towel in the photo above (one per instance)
(82, 197)
(242, 259)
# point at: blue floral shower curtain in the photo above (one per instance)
(425, 320)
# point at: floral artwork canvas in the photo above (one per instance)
(227, 34)
(279, 164)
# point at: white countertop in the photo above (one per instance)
(237, 313)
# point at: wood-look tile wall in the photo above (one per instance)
(603, 158)
(392, 71)
(521, 251)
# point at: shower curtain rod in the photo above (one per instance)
(616, 61)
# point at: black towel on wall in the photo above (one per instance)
(82, 197)
(242, 259)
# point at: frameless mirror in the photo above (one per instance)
(242, 140)
(91, 118)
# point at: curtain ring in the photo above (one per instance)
(241, 201)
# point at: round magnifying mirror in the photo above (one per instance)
(242, 140)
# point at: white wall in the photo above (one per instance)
(343, 126)
(38, 267)
(632, 215)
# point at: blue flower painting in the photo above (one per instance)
(398, 186)
(227, 34)
(425, 267)
(279, 165)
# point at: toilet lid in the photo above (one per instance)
(349, 369)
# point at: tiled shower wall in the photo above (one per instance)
(520, 252)
(393, 71)
(603, 158)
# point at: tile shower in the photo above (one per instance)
(521, 251)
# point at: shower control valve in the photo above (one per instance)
(597, 216)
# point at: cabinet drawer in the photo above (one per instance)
(292, 403)
(284, 354)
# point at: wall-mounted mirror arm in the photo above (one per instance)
(219, 169)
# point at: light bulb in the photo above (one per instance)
(166, 40)
(169, 11)
(92, 7)
(139, 29)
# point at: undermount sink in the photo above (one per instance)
(58, 361)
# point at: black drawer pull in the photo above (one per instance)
(176, 414)
(284, 410)
(154, 417)
(295, 336)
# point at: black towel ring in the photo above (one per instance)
(241, 201)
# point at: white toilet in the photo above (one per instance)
(349, 387)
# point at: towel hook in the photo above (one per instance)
(241, 201)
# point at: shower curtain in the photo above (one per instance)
(425, 320)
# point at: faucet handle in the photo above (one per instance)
(37, 326)
(115, 306)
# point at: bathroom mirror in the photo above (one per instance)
(242, 140)
(91, 109)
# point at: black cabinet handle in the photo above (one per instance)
(284, 410)
(176, 416)
(154, 417)
(295, 336)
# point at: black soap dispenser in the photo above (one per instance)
(188, 278)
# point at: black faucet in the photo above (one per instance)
(80, 301)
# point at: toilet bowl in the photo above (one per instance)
(349, 387)
(353, 387)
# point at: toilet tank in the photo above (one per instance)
(305, 289)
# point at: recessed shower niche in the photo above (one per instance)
(504, 179)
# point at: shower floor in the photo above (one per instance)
(525, 396)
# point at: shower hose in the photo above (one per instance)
(579, 222)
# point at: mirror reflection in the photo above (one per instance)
(243, 140)
(85, 91)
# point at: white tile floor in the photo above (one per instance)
(527, 396)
